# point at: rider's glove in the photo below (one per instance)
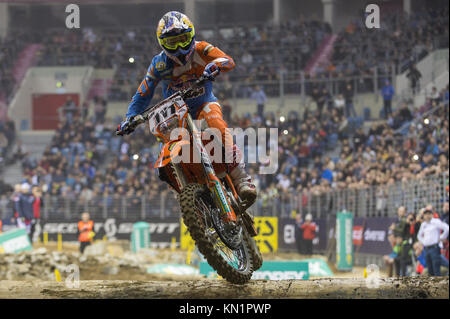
(124, 127)
(128, 126)
(209, 70)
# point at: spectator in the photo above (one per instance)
(430, 237)
(15, 197)
(309, 233)
(3, 145)
(400, 226)
(348, 95)
(38, 203)
(85, 231)
(444, 217)
(247, 58)
(4, 188)
(260, 97)
(435, 96)
(432, 148)
(299, 234)
(100, 106)
(339, 103)
(420, 256)
(25, 209)
(412, 227)
(320, 97)
(414, 76)
(403, 249)
(392, 259)
(69, 109)
(388, 93)
(226, 109)
(19, 151)
(405, 114)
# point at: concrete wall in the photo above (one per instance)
(43, 80)
(4, 19)
(309, 10)
(432, 68)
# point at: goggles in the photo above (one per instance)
(175, 41)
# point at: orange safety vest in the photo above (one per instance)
(85, 229)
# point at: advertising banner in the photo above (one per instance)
(172, 269)
(14, 241)
(318, 268)
(358, 235)
(186, 241)
(267, 238)
(373, 235)
(161, 230)
(289, 233)
(344, 240)
(271, 270)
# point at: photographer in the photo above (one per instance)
(412, 227)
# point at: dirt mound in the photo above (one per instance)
(408, 287)
(102, 261)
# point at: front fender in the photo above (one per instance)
(169, 151)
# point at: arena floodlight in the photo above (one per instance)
(131, 60)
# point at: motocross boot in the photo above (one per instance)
(243, 184)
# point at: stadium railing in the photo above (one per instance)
(373, 201)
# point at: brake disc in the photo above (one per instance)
(230, 233)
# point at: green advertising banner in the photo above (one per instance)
(271, 270)
(318, 268)
(344, 241)
(140, 237)
(14, 241)
(172, 269)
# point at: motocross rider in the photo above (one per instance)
(184, 60)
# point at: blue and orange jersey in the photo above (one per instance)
(176, 77)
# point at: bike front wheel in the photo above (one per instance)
(234, 265)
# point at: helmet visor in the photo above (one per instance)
(173, 42)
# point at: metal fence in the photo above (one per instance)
(371, 201)
(363, 202)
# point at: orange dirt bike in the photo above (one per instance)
(215, 216)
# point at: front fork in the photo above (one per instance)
(213, 182)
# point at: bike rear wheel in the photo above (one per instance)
(236, 265)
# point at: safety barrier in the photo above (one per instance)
(372, 201)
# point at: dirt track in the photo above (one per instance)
(410, 287)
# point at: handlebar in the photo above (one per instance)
(197, 83)
(139, 119)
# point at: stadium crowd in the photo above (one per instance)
(263, 51)
(86, 161)
(130, 50)
(267, 50)
(402, 40)
(10, 47)
(319, 150)
(7, 138)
